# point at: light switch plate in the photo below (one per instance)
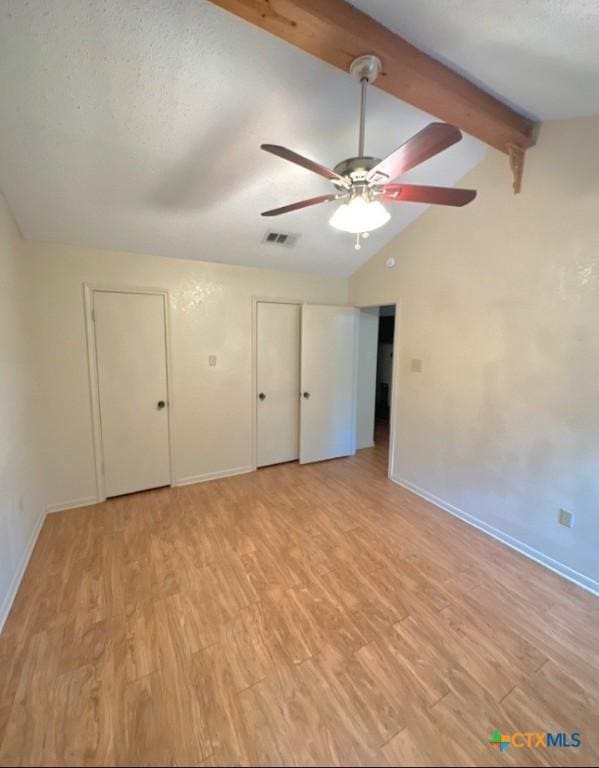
(416, 366)
(212, 360)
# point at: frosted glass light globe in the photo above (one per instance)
(360, 215)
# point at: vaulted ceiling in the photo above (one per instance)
(136, 125)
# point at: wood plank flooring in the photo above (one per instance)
(315, 615)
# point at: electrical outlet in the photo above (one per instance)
(416, 366)
(212, 360)
(565, 518)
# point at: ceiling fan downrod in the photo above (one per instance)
(364, 83)
(365, 69)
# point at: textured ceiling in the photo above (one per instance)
(541, 56)
(136, 126)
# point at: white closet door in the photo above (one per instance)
(278, 382)
(132, 382)
(328, 382)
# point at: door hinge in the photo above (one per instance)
(93, 315)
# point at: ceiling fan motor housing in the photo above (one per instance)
(356, 168)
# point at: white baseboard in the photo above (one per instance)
(86, 501)
(368, 445)
(18, 575)
(192, 479)
(586, 582)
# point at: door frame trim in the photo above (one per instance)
(254, 366)
(394, 376)
(92, 360)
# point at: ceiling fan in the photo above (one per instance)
(362, 182)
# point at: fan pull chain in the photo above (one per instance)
(363, 235)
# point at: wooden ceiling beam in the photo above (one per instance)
(337, 33)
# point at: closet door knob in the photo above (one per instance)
(307, 395)
(262, 396)
(160, 404)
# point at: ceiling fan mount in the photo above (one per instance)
(367, 67)
(361, 182)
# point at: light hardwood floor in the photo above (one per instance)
(297, 615)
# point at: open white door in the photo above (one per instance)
(132, 384)
(277, 382)
(328, 382)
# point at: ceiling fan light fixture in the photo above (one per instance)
(360, 215)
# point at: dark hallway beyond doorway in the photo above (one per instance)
(384, 372)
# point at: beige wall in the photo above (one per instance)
(21, 505)
(500, 300)
(210, 313)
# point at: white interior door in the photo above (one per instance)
(328, 382)
(277, 382)
(132, 382)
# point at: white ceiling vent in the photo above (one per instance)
(287, 239)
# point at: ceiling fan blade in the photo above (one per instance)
(414, 193)
(300, 204)
(310, 165)
(425, 144)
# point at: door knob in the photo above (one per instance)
(262, 396)
(160, 404)
(307, 395)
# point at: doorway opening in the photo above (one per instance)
(375, 382)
